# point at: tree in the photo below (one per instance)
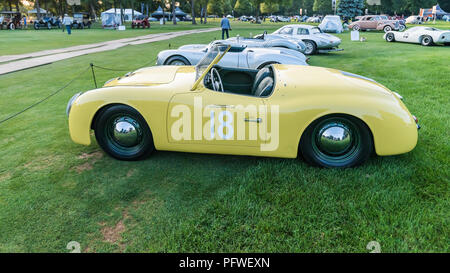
(38, 9)
(323, 6)
(193, 12)
(350, 8)
(269, 8)
(174, 18)
(243, 7)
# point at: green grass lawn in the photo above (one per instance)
(53, 191)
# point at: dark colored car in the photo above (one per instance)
(10, 20)
(47, 22)
(81, 20)
(140, 21)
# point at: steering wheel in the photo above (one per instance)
(216, 81)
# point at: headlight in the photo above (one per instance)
(69, 104)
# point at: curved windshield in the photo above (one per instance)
(212, 52)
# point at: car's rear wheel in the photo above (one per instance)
(336, 141)
(177, 60)
(387, 28)
(390, 37)
(36, 26)
(49, 26)
(427, 40)
(402, 27)
(123, 133)
(12, 26)
(310, 47)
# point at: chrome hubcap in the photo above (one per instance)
(126, 131)
(309, 47)
(334, 139)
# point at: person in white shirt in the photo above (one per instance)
(67, 22)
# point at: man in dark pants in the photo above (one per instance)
(225, 25)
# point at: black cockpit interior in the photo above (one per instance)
(241, 81)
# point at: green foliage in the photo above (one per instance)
(269, 8)
(350, 8)
(243, 7)
(322, 6)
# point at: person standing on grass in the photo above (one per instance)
(67, 22)
(225, 25)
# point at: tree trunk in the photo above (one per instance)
(201, 14)
(17, 6)
(132, 10)
(174, 18)
(206, 13)
(92, 7)
(121, 12)
(193, 12)
(38, 9)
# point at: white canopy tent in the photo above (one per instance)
(127, 13)
(33, 11)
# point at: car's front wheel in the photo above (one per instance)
(356, 27)
(336, 141)
(427, 40)
(123, 133)
(390, 37)
(310, 47)
(387, 28)
(402, 27)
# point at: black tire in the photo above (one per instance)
(356, 27)
(36, 26)
(426, 40)
(402, 27)
(319, 150)
(119, 144)
(12, 26)
(390, 37)
(177, 60)
(264, 65)
(387, 29)
(311, 47)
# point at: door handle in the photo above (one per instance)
(257, 120)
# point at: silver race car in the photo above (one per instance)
(239, 56)
(265, 40)
(314, 39)
(420, 35)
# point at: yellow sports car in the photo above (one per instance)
(333, 118)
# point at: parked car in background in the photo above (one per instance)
(239, 56)
(47, 22)
(376, 22)
(420, 35)
(270, 40)
(81, 20)
(140, 21)
(10, 20)
(331, 23)
(313, 20)
(414, 19)
(314, 39)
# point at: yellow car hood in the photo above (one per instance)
(146, 76)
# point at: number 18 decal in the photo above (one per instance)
(223, 123)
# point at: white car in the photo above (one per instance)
(331, 23)
(420, 35)
(314, 38)
(265, 40)
(414, 19)
(239, 56)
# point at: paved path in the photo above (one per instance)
(29, 60)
